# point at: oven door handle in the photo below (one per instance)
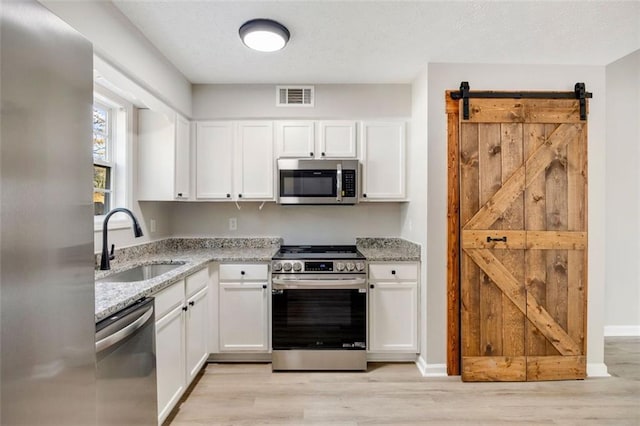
(319, 284)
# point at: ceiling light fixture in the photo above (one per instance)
(264, 35)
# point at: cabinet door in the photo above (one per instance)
(337, 139)
(255, 160)
(196, 332)
(156, 156)
(383, 158)
(214, 160)
(182, 158)
(170, 364)
(295, 139)
(393, 317)
(244, 321)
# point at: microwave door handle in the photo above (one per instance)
(339, 183)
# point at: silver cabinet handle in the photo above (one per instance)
(339, 183)
(121, 334)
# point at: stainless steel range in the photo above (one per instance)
(319, 308)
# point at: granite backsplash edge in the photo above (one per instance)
(127, 254)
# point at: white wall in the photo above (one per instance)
(116, 40)
(341, 101)
(515, 77)
(414, 214)
(295, 224)
(622, 293)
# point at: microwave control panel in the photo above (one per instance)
(349, 183)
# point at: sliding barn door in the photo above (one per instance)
(523, 240)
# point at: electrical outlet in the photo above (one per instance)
(233, 224)
(152, 225)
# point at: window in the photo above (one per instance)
(103, 165)
(112, 153)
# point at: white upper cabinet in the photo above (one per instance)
(383, 161)
(163, 157)
(214, 160)
(295, 139)
(234, 160)
(337, 139)
(255, 160)
(316, 139)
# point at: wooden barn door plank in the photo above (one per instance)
(470, 273)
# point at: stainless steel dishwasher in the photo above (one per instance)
(126, 367)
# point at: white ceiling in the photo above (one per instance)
(382, 41)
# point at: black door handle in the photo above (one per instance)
(192, 303)
(503, 239)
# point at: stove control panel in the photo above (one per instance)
(318, 266)
(302, 266)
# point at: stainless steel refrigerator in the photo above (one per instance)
(47, 348)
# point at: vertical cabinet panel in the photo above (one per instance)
(183, 158)
(244, 320)
(295, 139)
(170, 367)
(214, 160)
(197, 332)
(393, 308)
(337, 139)
(156, 156)
(255, 160)
(393, 321)
(163, 164)
(383, 161)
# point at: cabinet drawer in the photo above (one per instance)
(252, 272)
(197, 281)
(393, 272)
(169, 298)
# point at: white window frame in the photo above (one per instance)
(111, 115)
(120, 155)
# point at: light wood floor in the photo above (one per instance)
(396, 394)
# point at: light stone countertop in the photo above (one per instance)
(197, 253)
(388, 249)
(111, 297)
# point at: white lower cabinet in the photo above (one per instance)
(244, 308)
(393, 307)
(181, 337)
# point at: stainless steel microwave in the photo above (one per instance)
(318, 181)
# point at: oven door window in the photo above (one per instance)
(319, 319)
(308, 183)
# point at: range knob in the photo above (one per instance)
(360, 266)
(350, 266)
(287, 266)
(297, 266)
(277, 266)
(340, 266)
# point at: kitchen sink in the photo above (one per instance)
(141, 272)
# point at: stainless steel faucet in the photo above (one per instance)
(106, 256)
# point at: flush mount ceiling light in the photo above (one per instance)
(264, 35)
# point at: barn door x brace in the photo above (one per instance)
(465, 94)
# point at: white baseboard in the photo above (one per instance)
(391, 357)
(597, 370)
(621, 330)
(431, 370)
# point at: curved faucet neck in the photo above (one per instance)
(137, 231)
